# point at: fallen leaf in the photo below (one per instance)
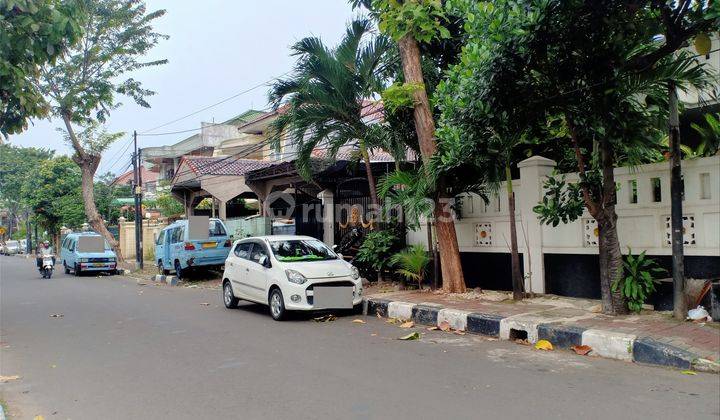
(358, 321)
(689, 372)
(432, 328)
(543, 345)
(522, 341)
(444, 326)
(392, 320)
(4, 379)
(373, 335)
(205, 304)
(459, 332)
(325, 318)
(56, 315)
(39, 417)
(411, 336)
(491, 339)
(408, 324)
(582, 350)
(53, 366)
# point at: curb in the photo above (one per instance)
(608, 344)
(161, 278)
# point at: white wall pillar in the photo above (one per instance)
(533, 172)
(222, 210)
(328, 202)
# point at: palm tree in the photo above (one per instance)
(411, 263)
(326, 96)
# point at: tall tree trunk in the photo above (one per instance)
(453, 279)
(88, 164)
(370, 176)
(450, 264)
(517, 277)
(611, 266)
(676, 212)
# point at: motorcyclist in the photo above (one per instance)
(42, 250)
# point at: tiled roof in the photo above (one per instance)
(127, 177)
(202, 165)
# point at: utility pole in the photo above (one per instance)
(137, 192)
(28, 237)
(676, 214)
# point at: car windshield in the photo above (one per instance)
(301, 250)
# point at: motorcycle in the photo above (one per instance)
(47, 266)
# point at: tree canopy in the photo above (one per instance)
(33, 33)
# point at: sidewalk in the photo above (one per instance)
(651, 337)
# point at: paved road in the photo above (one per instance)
(126, 351)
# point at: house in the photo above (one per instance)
(165, 159)
(148, 177)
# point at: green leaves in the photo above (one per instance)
(400, 96)
(33, 33)
(562, 202)
(422, 19)
(638, 283)
(84, 83)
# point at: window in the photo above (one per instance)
(177, 235)
(632, 189)
(258, 251)
(243, 250)
(64, 243)
(160, 238)
(71, 245)
(705, 186)
(656, 190)
(216, 228)
(301, 250)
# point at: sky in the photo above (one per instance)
(217, 48)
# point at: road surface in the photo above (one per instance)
(127, 351)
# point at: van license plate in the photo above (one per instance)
(333, 297)
(209, 244)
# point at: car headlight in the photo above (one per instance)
(354, 272)
(83, 260)
(295, 277)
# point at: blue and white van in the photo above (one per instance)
(174, 250)
(73, 258)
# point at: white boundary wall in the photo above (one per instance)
(643, 207)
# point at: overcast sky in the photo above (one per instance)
(217, 48)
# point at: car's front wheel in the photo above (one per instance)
(229, 298)
(277, 305)
(66, 268)
(77, 270)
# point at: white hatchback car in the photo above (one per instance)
(289, 273)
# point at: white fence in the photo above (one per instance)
(643, 207)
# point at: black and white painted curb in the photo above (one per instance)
(161, 278)
(609, 344)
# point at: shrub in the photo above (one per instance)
(638, 283)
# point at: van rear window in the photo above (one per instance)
(216, 228)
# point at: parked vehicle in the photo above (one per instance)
(175, 250)
(11, 248)
(47, 266)
(289, 273)
(23, 246)
(80, 261)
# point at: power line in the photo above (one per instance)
(259, 85)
